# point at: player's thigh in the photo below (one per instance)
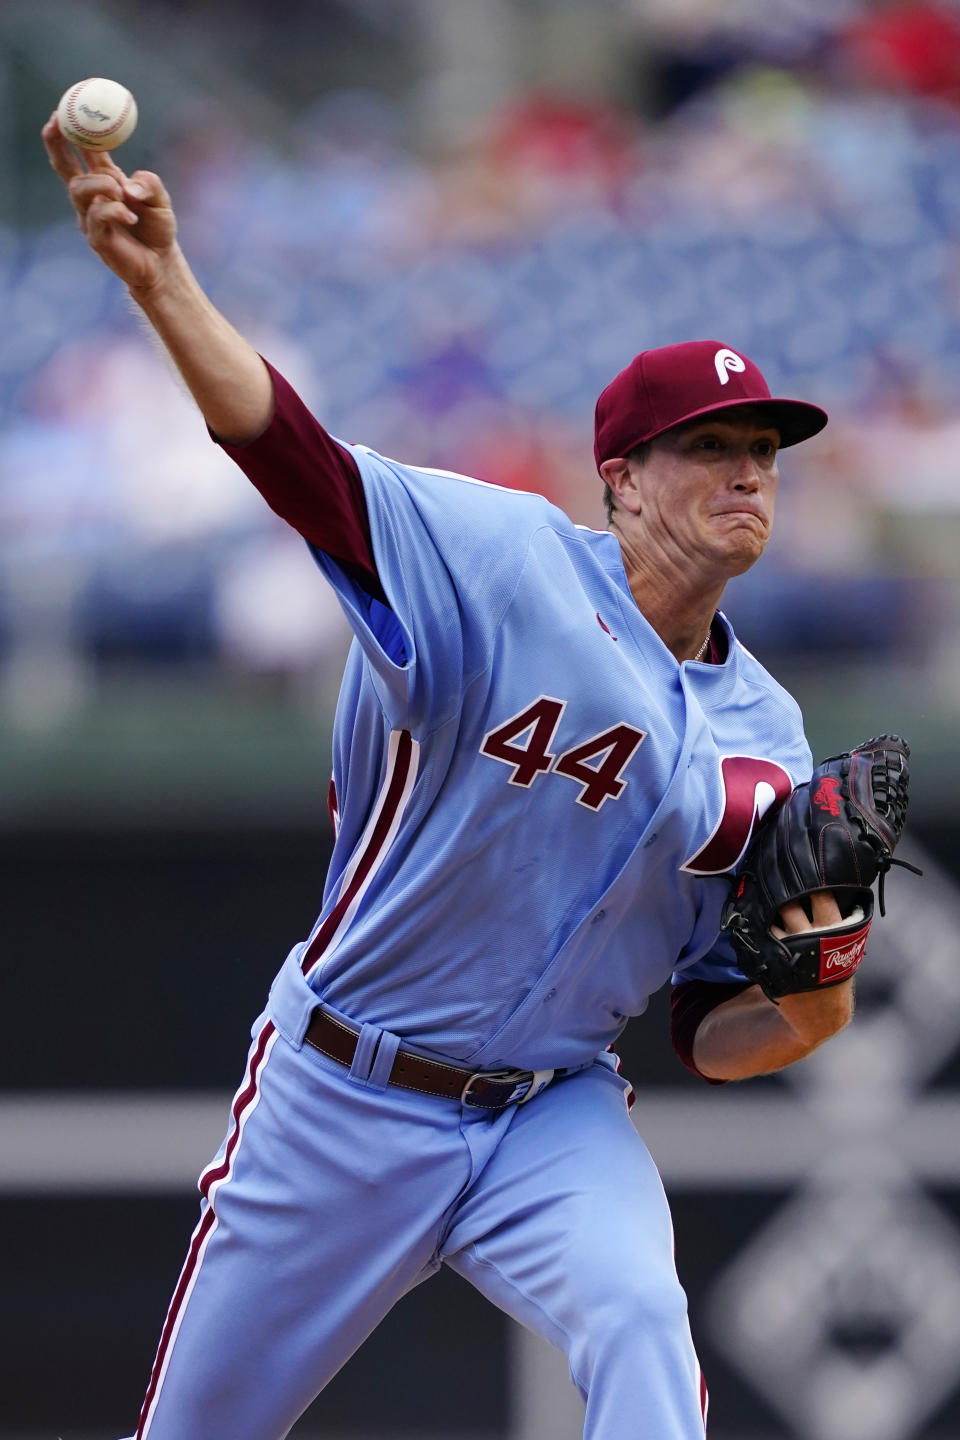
(568, 1227)
(317, 1221)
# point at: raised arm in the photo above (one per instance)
(301, 471)
(129, 222)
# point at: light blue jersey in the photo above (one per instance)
(537, 803)
(538, 808)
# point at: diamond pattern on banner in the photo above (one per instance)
(845, 1313)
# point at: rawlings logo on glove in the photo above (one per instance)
(838, 833)
(827, 795)
(838, 959)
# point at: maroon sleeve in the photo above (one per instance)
(690, 1002)
(313, 483)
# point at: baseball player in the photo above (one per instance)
(549, 753)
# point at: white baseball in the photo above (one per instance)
(97, 114)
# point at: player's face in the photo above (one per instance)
(706, 492)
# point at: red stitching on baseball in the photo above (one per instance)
(94, 134)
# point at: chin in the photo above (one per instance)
(746, 539)
(740, 558)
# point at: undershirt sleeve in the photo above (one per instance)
(691, 1002)
(313, 483)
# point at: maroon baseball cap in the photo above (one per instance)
(662, 388)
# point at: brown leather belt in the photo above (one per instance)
(487, 1089)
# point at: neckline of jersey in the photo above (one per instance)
(617, 570)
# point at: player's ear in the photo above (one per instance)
(616, 473)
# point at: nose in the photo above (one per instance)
(746, 474)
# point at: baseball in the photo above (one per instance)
(97, 114)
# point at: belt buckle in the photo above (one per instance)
(522, 1084)
(526, 1085)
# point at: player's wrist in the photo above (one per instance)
(172, 283)
(817, 1015)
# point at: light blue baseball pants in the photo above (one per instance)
(333, 1195)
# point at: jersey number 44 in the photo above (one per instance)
(749, 784)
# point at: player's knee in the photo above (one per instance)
(655, 1308)
(635, 1314)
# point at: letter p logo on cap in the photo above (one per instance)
(668, 386)
(727, 361)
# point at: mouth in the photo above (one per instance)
(741, 512)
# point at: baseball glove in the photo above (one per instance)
(836, 833)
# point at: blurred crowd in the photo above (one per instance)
(462, 304)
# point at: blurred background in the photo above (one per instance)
(450, 222)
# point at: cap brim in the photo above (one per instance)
(795, 419)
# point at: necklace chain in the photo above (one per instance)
(706, 641)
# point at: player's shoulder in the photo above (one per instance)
(449, 497)
(753, 672)
(435, 477)
(758, 688)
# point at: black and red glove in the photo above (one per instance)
(837, 833)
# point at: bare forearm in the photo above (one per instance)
(224, 374)
(129, 222)
(749, 1035)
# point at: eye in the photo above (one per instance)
(766, 448)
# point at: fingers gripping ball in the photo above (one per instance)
(838, 833)
(97, 114)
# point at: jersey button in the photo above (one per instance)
(600, 915)
(549, 996)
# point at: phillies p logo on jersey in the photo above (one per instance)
(749, 787)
